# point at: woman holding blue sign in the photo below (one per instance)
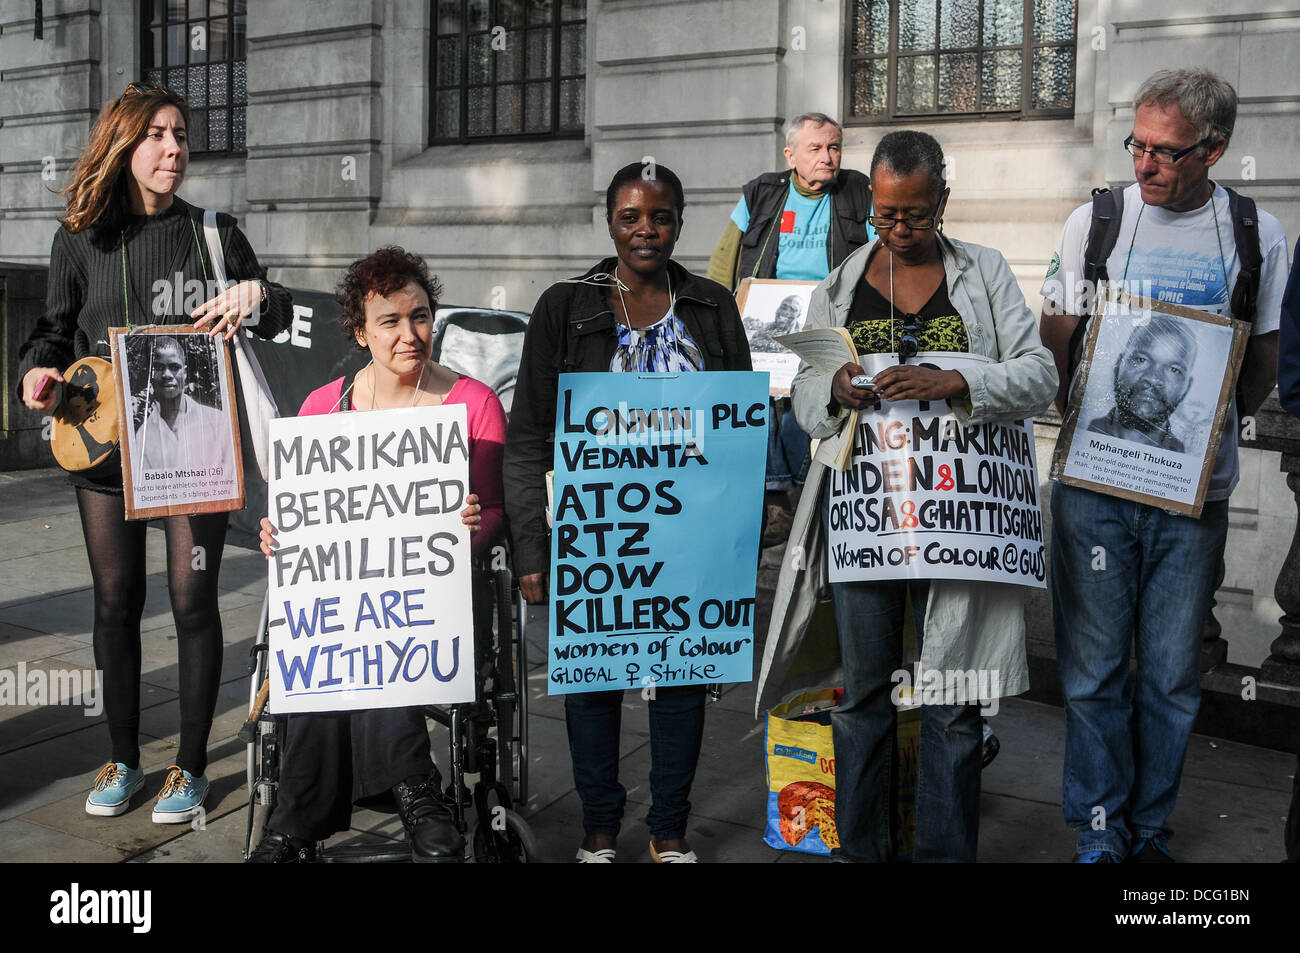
(637, 312)
(335, 759)
(913, 290)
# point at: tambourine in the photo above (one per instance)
(84, 432)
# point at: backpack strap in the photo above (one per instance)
(1103, 233)
(1245, 232)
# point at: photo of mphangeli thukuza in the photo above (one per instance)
(179, 423)
(1148, 406)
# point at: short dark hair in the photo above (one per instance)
(907, 151)
(382, 272)
(166, 340)
(644, 172)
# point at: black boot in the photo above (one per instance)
(277, 848)
(429, 822)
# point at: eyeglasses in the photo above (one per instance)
(908, 345)
(882, 223)
(1161, 156)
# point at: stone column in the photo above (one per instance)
(1283, 664)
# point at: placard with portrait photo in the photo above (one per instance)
(1150, 398)
(178, 423)
(770, 308)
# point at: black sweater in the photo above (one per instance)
(85, 294)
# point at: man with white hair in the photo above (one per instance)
(795, 225)
(1126, 573)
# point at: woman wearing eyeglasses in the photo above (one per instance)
(125, 239)
(913, 290)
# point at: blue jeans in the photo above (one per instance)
(869, 617)
(788, 456)
(676, 730)
(1125, 572)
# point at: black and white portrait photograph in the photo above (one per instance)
(1148, 406)
(1149, 394)
(770, 309)
(179, 424)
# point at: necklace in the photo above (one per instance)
(627, 315)
(346, 395)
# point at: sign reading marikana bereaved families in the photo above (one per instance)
(658, 497)
(924, 497)
(370, 603)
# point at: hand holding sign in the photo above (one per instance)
(919, 382)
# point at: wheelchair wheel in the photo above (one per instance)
(512, 707)
(263, 740)
(515, 843)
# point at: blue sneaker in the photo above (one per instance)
(1096, 857)
(181, 797)
(1151, 850)
(111, 793)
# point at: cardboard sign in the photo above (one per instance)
(924, 497)
(370, 603)
(658, 496)
(1149, 402)
(770, 309)
(178, 425)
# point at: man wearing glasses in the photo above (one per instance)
(1124, 571)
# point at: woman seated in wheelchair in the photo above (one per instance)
(332, 760)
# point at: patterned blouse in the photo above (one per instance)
(664, 346)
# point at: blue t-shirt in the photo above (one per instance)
(803, 230)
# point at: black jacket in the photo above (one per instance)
(765, 198)
(572, 329)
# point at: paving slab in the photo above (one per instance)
(135, 832)
(25, 842)
(19, 644)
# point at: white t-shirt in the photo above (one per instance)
(201, 438)
(1175, 257)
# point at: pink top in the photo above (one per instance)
(487, 444)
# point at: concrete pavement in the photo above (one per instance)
(1232, 806)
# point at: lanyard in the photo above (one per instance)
(126, 302)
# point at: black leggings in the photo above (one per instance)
(116, 548)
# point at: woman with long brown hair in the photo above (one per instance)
(125, 237)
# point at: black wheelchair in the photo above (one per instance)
(488, 739)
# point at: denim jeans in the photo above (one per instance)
(676, 730)
(869, 617)
(788, 448)
(1125, 572)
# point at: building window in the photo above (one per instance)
(960, 58)
(197, 48)
(505, 69)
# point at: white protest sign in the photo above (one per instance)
(370, 600)
(925, 498)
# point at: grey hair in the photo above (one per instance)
(793, 126)
(907, 151)
(1208, 103)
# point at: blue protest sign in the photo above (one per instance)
(657, 503)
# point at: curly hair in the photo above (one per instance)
(381, 273)
(97, 194)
